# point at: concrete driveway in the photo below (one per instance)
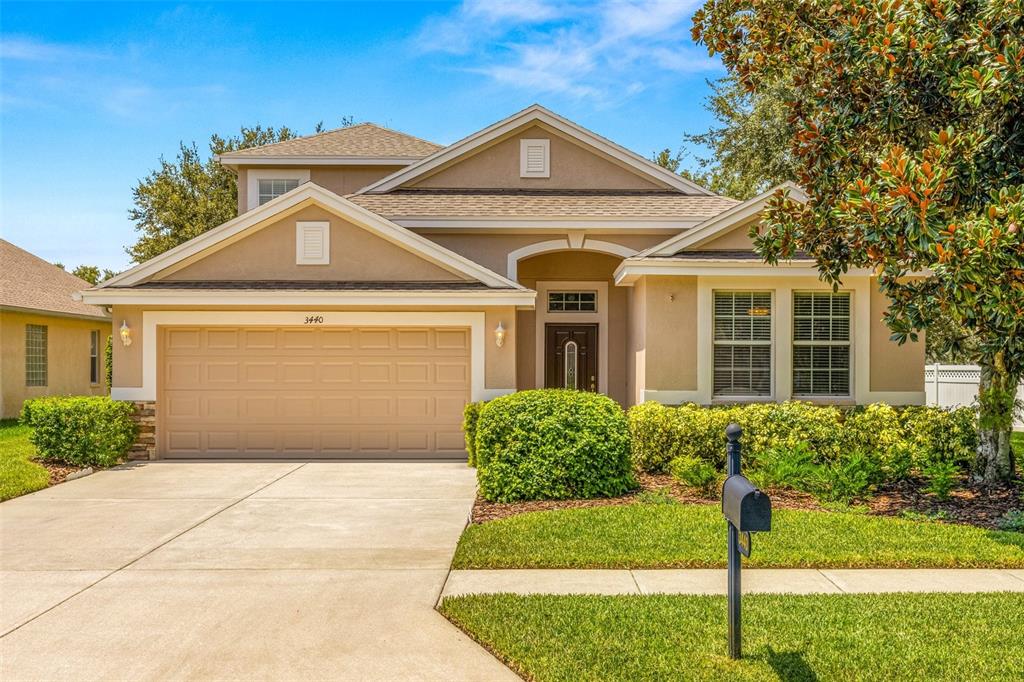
(237, 571)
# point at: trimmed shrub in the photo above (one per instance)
(470, 416)
(662, 433)
(552, 444)
(80, 431)
(695, 472)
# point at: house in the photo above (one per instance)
(373, 283)
(51, 343)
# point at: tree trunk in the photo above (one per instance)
(997, 396)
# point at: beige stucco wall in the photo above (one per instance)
(568, 266)
(68, 347)
(500, 363)
(491, 250)
(338, 179)
(737, 239)
(665, 332)
(572, 167)
(269, 253)
(893, 367)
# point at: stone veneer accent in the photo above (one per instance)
(145, 443)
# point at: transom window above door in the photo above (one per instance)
(572, 302)
(273, 188)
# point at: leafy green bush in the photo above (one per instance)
(848, 478)
(80, 431)
(695, 472)
(781, 467)
(552, 444)
(941, 478)
(108, 361)
(470, 416)
(1012, 520)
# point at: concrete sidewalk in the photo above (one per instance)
(713, 581)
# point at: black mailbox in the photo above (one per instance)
(746, 507)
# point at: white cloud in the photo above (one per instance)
(606, 51)
(28, 49)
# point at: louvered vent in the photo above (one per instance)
(535, 156)
(312, 243)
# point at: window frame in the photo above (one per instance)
(771, 344)
(254, 175)
(849, 344)
(45, 345)
(94, 357)
(550, 292)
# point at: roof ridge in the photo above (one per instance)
(361, 124)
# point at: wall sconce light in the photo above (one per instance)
(126, 333)
(499, 335)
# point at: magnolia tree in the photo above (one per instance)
(908, 135)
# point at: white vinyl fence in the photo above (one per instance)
(956, 385)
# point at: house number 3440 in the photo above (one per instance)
(314, 319)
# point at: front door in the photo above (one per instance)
(570, 356)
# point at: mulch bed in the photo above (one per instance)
(969, 505)
(58, 472)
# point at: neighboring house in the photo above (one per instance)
(51, 344)
(374, 283)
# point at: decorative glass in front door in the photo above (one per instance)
(571, 364)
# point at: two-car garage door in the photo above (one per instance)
(312, 391)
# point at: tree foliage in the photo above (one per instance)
(92, 274)
(750, 143)
(186, 197)
(908, 134)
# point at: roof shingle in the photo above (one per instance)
(555, 204)
(29, 282)
(361, 140)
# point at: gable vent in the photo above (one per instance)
(312, 243)
(534, 158)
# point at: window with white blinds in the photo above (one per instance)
(534, 158)
(273, 188)
(821, 343)
(743, 344)
(312, 242)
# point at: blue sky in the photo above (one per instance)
(92, 94)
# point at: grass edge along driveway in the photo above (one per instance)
(646, 535)
(19, 475)
(789, 637)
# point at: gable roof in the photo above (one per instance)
(27, 282)
(537, 114)
(306, 194)
(722, 222)
(356, 144)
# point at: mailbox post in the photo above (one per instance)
(747, 510)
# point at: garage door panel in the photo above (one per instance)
(332, 392)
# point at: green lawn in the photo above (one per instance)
(693, 536)
(18, 473)
(818, 637)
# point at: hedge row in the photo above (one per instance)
(80, 431)
(904, 438)
(554, 444)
